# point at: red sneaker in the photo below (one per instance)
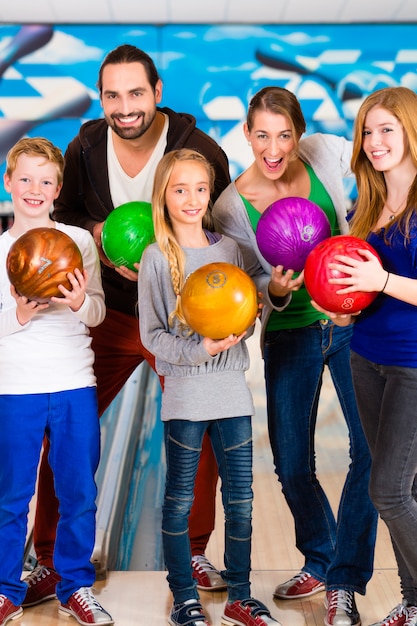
(248, 612)
(206, 575)
(397, 617)
(300, 586)
(41, 586)
(84, 607)
(8, 610)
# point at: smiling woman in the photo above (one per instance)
(297, 343)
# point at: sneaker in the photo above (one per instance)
(188, 613)
(411, 616)
(8, 610)
(300, 586)
(41, 586)
(207, 576)
(341, 608)
(84, 607)
(248, 612)
(397, 617)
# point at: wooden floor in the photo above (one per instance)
(143, 598)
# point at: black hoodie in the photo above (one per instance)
(85, 196)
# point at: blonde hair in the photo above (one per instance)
(372, 191)
(36, 146)
(164, 233)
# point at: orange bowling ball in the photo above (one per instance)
(39, 261)
(218, 300)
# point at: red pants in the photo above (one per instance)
(118, 352)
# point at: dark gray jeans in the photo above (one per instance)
(387, 402)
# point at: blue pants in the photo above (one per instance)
(70, 421)
(338, 552)
(387, 400)
(231, 439)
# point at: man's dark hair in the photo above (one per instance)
(129, 54)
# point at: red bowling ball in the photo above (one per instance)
(317, 274)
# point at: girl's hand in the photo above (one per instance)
(282, 281)
(340, 319)
(74, 298)
(367, 275)
(26, 309)
(215, 346)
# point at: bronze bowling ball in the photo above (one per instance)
(39, 261)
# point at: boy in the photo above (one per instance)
(47, 386)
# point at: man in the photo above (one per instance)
(110, 162)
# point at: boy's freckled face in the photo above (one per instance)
(33, 185)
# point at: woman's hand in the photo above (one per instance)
(282, 282)
(340, 319)
(367, 275)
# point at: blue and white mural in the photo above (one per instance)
(48, 74)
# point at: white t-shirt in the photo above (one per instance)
(124, 188)
(52, 352)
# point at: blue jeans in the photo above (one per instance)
(231, 439)
(70, 420)
(338, 552)
(387, 401)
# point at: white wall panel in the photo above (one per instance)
(206, 11)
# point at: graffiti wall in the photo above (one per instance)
(48, 74)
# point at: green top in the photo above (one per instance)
(299, 312)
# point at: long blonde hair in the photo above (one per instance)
(372, 190)
(164, 233)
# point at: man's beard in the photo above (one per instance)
(131, 132)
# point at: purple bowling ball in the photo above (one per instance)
(289, 229)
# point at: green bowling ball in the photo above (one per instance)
(127, 230)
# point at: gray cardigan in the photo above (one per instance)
(329, 156)
(197, 386)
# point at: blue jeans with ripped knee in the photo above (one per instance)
(231, 439)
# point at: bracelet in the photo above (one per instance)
(386, 282)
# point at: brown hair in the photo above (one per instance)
(129, 54)
(281, 102)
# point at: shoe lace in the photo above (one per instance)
(411, 616)
(393, 616)
(202, 563)
(86, 600)
(3, 599)
(301, 577)
(37, 574)
(341, 599)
